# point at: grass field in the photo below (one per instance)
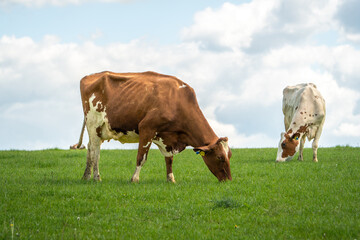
(42, 196)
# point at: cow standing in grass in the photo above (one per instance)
(304, 116)
(148, 108)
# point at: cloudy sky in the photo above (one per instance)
(237, 55)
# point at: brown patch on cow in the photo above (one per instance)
(294, 123)
(309, 115)
(304, 117)
(100, 107)
(97, 102)
(301, 112)
(289, 145)
(315, 114)
(98, 132)
(296, 108)
(302, 129)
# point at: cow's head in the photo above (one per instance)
(288, 146)
(217, 157)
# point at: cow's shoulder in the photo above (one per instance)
(168, 82)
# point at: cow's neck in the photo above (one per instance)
(198, 131)
(298, 125)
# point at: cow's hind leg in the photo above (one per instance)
(315, 143)
(315, 148)
(93, 156)
(169, 172)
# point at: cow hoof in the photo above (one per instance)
(134, 180)
(170, 178)
(98, 178)
(86, 178)
(76, 146)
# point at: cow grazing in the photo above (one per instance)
(304, 116)
(148, 108)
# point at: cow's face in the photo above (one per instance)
(217, 157)
(288, 146)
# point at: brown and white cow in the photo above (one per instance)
(149, 108)
(304, 116)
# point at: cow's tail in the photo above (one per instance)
(79, 145)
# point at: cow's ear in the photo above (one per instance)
(202, 153)
(223, 139)
(201, 150)
(295, 136)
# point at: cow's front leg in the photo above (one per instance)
(169, 172)
(93, 156)
(143, 150)
(302, 143)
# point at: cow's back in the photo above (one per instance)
(127, 98)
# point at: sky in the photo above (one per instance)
(237, 55)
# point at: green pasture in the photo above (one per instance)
(42, 196)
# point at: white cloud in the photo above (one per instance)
(232, 26)
(348, 129)
(260, 23)
(353, 37)
(308, 15)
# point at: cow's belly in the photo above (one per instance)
(128, 137)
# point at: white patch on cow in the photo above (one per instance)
(182, 86)
(96, 119)
(225, 147)
(147, 145)
(136, 175)
(129, 137)
(143, 160)
(170, 177)
(162, 147)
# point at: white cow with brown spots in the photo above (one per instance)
(304, 116)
